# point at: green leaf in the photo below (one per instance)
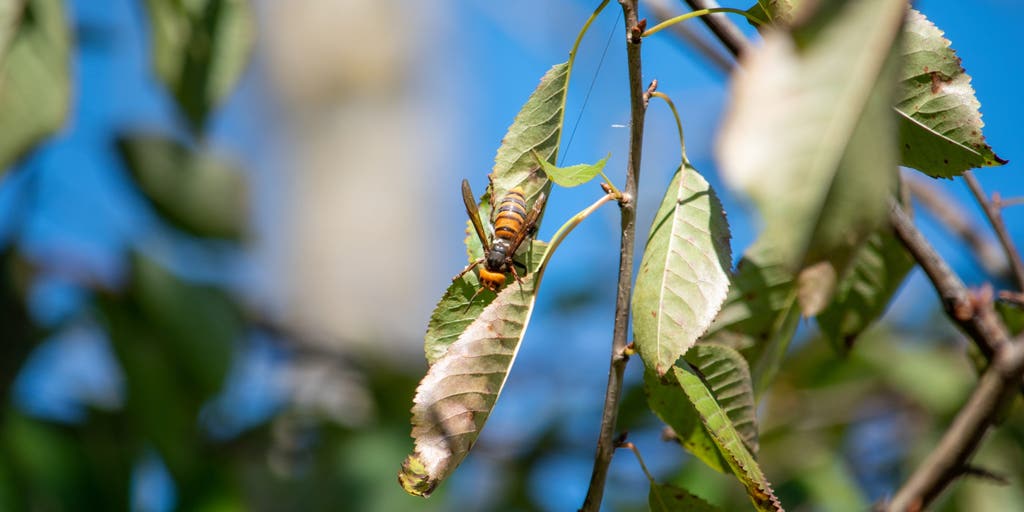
(35, 88)
(810, 136)
(10, 16)
(669, 498)
(456, 396)
(174, 341)
(198, 192)
(939, 115)
(574, 174)
(536, 128)
(727, 376)
(684, 274)
(728, 441)
(862, 297)
(760, 314)
(675, 410)
(200, 49)
(454, 313)
(1012, 315)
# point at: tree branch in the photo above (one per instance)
(605, 441)
(977, 320)
(995, 218)
(723, 28)
(688, 35)
(951, 215)
(949, 459)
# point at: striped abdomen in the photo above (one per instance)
(511, 215)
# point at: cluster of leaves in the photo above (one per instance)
(839, 95)
(174, 341)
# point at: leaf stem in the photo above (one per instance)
(569, 225)
(572, 61)
(627, 208)
(701, 12)
(679, 125)
(723, 28)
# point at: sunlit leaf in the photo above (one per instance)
(939, 115)
(810, 136)
(456, 396)
(760, 314)
(574, 174)
(675, 410)
(670, 498)
(454, 313)
(537, 127)
(35, 87)
(727, 376)
(198, 192)
(728, 441)
(878, 270)
(684, 274)
(200, 49)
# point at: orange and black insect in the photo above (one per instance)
(512, 224)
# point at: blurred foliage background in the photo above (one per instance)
(223, 224)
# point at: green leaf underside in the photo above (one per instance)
(760, 314)
(727, 376)
(451, 316)
(728, 441)
(675, 410)
(537, 127)
(200, 49)
(456, 396)
(878, 270)
(199, 193)
(684, 274)
(574, 174)
(35, 88)
(669, 498)
(813, 148)
(939, 116)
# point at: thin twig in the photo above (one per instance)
(980, 323)
(723, 28)
(947, 461)
(1003, 203)
(605, 442)
(995, 218)
(721, 62)
(951, 215)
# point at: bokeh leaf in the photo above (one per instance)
(939, 115)
(35, 88)
(456, 396)
(810, 136)
(200, 49)
(574, 174)
(10, 16)
(877, 272)
(199, 192)
(728, 441)
(670, 498)
(174, 342)
(684, 274)
(760, 314)
(727, 376)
